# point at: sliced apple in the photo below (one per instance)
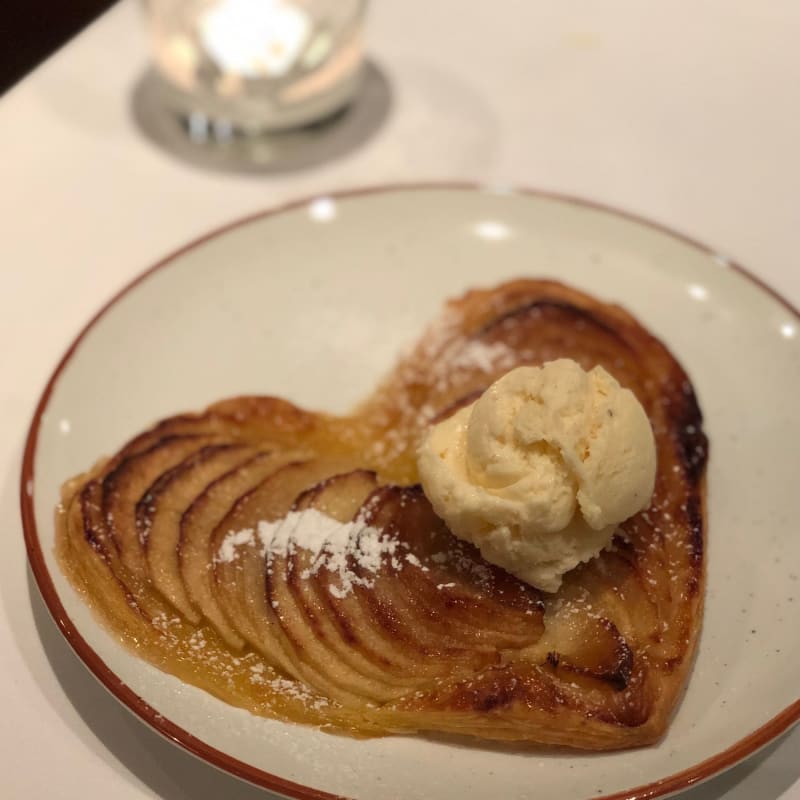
(446, 587)
(381, 628)
(385, 666)
(204, 424)
(385, 624)
(331, 504)
(95, 565)
(126, 485)
(134, 602)
(197, 527)
(239, 563)
(160, 513)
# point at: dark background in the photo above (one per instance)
(30, 30)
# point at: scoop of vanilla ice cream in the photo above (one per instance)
(539, 471)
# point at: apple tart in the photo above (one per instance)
(288, 562)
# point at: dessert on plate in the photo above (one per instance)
(546, 585)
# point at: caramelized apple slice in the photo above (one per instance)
(462, 599)
(93, 523)
(160, 511)
(619, 592)
(369, 638)
(197, 527)
(387, 618)
(132, 602)
(589, 645)
(128, 483)
(325, 512)
(345, 498)
(182, 425)
(96, 565)
(239, 564)
(377, 631)
(88, 526)
(389, 634)
(259, 420)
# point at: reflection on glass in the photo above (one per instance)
(788, 330)
(253, 38)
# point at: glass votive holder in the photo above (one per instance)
(242, 68)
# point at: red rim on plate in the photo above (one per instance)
(672, 783)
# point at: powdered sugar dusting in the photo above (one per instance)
(227, 550)
(291, 688)
(483, 356)
(346, 549)
(454, 365)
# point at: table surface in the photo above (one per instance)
(687, 113)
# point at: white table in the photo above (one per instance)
(687, 113)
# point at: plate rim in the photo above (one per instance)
(741, 749)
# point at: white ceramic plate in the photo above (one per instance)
(313, 303)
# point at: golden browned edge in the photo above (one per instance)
(679, 679)
(700, 772)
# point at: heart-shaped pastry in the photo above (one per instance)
(287, 561)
